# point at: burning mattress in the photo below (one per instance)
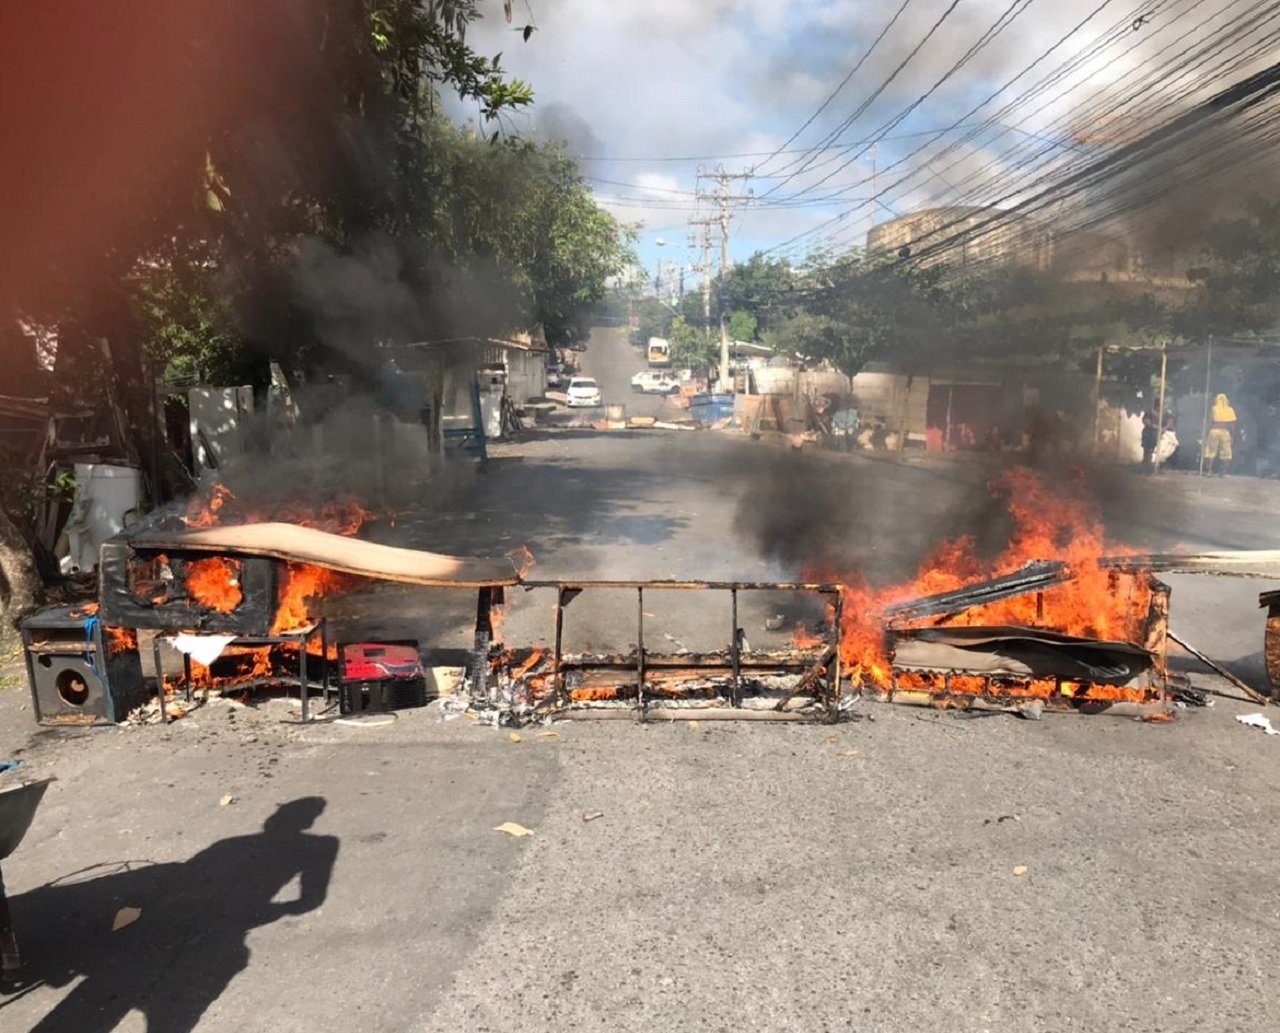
(294, 544)
(257, 579)
(1022, 653)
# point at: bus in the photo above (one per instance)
(659, 353)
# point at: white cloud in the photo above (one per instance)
(657, 78)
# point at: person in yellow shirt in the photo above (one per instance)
(1218, 444)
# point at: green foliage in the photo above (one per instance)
(1236, 289)
(24, 490)
(742, 326)
(855, 308)
(692, 347)
(576, 245)
(185, 320)
(655, 319)
(762, 287)
(808, 335)
(485, 234)
(693, 308)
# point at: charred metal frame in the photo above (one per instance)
(119, 563)
(300, 637)
(823, 672)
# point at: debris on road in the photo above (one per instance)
(1258, 721)
(365, 720)
(226, 800)
(1248, 690)
(1183, 693)
(592, 815)
(1020, 869)
(513, 829)
(125, 917)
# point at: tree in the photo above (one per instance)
(203, 208)
(655, 319)
(576, 246)
(1235, 288)
(693, 308)
(691, 348)
(761, 287)
(814, 336)
(19, 581)
(859, 308)
(742, 326)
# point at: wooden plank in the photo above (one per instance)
(1272, 650)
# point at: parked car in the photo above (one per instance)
(583, 392)
(652, 382)
(558, 374)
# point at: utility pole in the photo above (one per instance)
(723, 199)
(703, 266)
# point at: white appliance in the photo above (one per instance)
(107, 497)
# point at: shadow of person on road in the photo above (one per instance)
(189, 941)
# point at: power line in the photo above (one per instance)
(1249, 92)
(1098, 114)
(641, 158)
(843, 83)
(1107, 37)
(1045, 179)
(861, 109)
(878, 194)
(1006, 18)
(993, 120)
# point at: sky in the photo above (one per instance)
(648, 94)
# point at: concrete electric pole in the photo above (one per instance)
(703, 243)
(723, 199)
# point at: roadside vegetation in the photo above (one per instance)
(856, 308)
(289, 185)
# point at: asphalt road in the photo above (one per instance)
(740, 877)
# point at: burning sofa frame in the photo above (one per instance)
(946, 649)
(798, 683)
(943, 653)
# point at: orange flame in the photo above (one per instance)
(601, 693)
(120, 640)
(526, 560)
(342, 515)
(215, 583)
(1095, 603)
(205, 514)
(803, 638)
(497, 614)
(304, 582)
(529, 664)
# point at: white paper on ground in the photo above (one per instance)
(203, 649)
(1257, 721)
